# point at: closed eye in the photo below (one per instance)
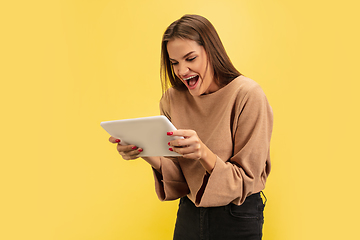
(190, 59)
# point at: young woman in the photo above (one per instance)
(226, 122)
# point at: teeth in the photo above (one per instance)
(189, 78)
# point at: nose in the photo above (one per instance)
(183, 70)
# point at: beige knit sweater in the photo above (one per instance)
(235, 123)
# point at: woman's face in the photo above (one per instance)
(191, 65)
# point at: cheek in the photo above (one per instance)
(203, 69)
(175, 71)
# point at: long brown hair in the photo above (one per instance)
(200, 30)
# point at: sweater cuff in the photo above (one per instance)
(210, 197)
(159, 186)
(171, 184)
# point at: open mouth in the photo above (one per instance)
(192, 81)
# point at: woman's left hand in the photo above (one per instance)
(192, 147)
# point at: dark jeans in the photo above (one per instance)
(229, 222)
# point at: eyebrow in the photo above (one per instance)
(186, 55)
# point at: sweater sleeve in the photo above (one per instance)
(232, 180)
(170, 184)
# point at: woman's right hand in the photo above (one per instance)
(128, 152)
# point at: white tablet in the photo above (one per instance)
(148, 133)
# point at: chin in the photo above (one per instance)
(196, 93)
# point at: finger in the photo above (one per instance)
(187, 153)
(126, 148)
(114, 140)
(132, 154)
(186, 150)
(183, 142)
(179, 143)
(129, 157)
(182, 133)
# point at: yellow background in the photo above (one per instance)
(65, 66)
